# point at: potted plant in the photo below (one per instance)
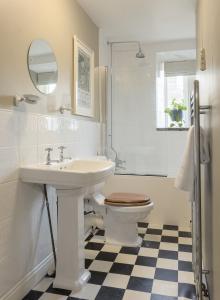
(175, 112)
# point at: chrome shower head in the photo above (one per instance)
(140, 54)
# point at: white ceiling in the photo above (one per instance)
(144, 20)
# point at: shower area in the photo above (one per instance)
(135, 140)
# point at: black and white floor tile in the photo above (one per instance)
(161, 269)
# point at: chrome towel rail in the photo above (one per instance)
(197, 195)
(203, 109)
(196, 111)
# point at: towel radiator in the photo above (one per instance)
(196, 110)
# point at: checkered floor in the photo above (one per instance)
(161, 269)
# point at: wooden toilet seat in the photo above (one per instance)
(127, 199)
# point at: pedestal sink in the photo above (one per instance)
(72, 180)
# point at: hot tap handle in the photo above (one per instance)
(49, 149)
(61, 147)
(48, 161)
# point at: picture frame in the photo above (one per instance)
(83, 79)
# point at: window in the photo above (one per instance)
(174, 87)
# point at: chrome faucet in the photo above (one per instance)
(61, 148)
(63, 108)
(49, 161)
(119, 163)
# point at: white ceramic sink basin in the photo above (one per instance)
(71, 174)
(72, 180)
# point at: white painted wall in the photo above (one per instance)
(26, 131)
(103, 48)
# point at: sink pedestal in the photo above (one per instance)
(72, 180)
(70, 271)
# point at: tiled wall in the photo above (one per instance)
(24, 232)
(134, 134)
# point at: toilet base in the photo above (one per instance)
(121, 232)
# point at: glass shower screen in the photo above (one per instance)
(133, 139)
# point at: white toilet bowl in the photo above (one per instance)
(120, 222)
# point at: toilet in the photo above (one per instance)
(121, 212)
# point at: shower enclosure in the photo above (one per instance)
(133, 139)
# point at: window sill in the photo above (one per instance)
(173, 129)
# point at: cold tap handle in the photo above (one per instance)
(61, 148)
(49, 149)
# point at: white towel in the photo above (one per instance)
(185, 177)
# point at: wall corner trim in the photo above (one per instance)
(29, 280)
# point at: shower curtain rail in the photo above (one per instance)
(196, 110)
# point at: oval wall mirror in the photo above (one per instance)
(42, 66)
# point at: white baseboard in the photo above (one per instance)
(29, 281)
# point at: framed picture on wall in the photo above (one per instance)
(83, 79)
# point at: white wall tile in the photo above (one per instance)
(49, 129)
(69, 129)
(134, 133)
(8, 128)
(28, 129)
(8, 196)
(24, 231)
(28, 155)
(9, 165)
(4, 237)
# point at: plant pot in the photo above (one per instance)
(176, 115)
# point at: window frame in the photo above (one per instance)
(166, 127)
